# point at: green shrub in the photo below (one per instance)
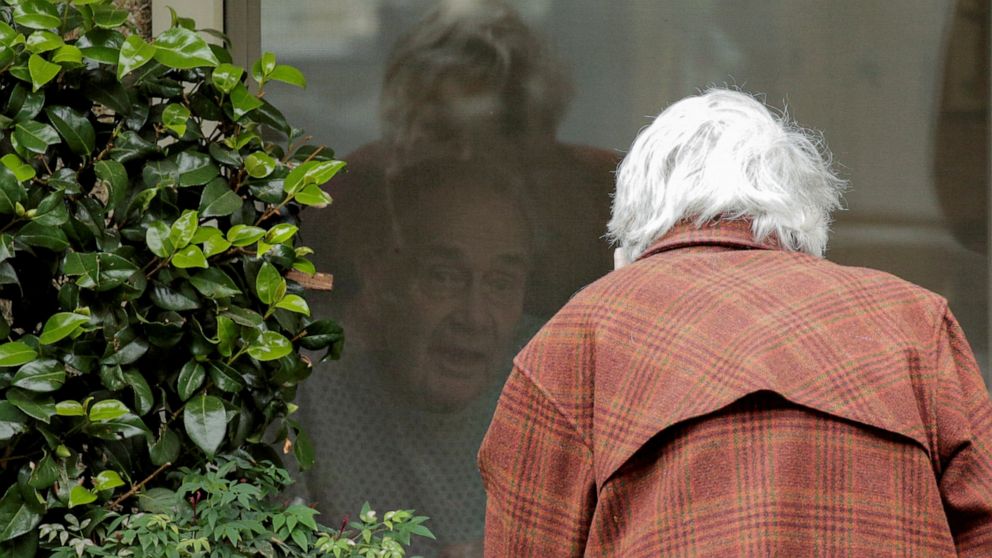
(150, 274)
(217, 513)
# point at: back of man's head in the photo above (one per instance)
(724, 155)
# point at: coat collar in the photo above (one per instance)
(726, 233)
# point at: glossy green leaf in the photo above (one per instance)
(75, 128)
(16, 353)
(43, 41)
(191, 377)
(259, 165)
(270, 346)
(244, 316)
(100, 271)
(36, 234)
(101, 45)
(323, 334)
(16, 516)
(175, 117)
(61, 325)
(8, 275)
(172, 299)
(266, 64)
(36, 14)
(206, 422)
(226, 378)
(303, 450)
(51, 211)
(143, 397)
(165, 449)
(214, 283)
(130, 146)
(183, 229)
(127, 347)
(215, 245)
(227, 335)
(80, 496)
(135, 53)
(6, 247)
(22, 171)
(41, 375)
(183, 49)
(7, 34)
(107, 480)
(12, 420)
(68, 55)
(108, 409)
(226, 76)
(44, 474)
(23, 104)
(112, 377)
(195, 168)
(281, 233)
(70, 408)
(205, 232)
(269, 283)
(161, 173)
(227, 157)
(42, 71)
(304, 266)
(108, 16)
(294, 303)
(11, 193)
(218, 200)
(157, 239)
(243, 235)
(35, 405)
(288, 74)
(312, 196)
(35, 136)
(242, 101)
(125, 426)
(190, 256)
(311, 173)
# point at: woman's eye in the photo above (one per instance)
(445, 277)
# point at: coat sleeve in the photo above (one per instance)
(538, 475)
(964, 442)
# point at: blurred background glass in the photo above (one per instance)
(900, 90)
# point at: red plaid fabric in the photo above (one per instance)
(721, 397)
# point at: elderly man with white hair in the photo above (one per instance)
(729, 392)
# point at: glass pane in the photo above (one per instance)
(481, 137)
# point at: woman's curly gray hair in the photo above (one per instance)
(724, 155)
(475, 46)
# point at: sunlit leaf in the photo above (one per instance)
(183, 49)
(270, 346)
(61, 325)
(135, 53)
(42, 71)
(226, 76)
(175, 117)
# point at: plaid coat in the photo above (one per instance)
(722, 397)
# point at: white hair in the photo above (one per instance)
(724, 155)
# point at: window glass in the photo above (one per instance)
(481, 137)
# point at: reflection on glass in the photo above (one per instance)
(464, 220)
(438, 225)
